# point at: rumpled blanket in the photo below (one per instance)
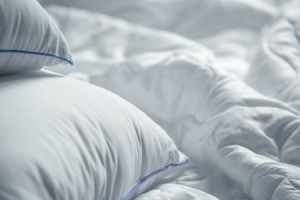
(221, 77)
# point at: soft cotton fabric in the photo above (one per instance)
(243, 144)
(30, 39)
(230, 28)
(64, 139)
(276, 68)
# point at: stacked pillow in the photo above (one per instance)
(70, 140)
(30, 39)
(61, 138)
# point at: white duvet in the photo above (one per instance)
(232, 106)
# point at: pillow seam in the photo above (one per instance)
(144, 179)
(36, 53)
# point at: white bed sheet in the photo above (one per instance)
(244, 145)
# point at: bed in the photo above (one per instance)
(165, 100)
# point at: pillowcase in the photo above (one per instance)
(76, 142)
(30, 39)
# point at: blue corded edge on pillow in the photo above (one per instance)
(37, 53)
(143, 180)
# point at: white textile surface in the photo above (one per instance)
(231, 105)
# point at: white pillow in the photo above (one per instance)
(30, 39)
(76, 142)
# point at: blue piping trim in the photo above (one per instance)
(143, 180)
(37, 53)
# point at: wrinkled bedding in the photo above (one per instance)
(221, 77)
